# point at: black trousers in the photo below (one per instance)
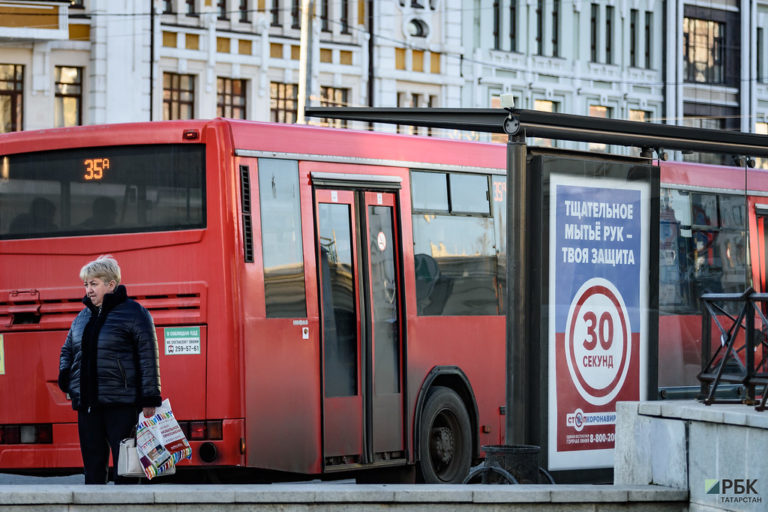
(101, 430)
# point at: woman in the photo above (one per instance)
(109, 366)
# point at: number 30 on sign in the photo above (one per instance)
(597, 341)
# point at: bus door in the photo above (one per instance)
(360, 284)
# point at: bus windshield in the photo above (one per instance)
(102, 190)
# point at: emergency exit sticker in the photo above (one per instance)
(2, 356)
(182, 340)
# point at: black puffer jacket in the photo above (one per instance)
(126, 369)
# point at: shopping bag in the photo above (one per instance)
(128, 463)
(160, 441)
(128, 459)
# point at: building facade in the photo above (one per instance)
(68, 62)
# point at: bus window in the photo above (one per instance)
(674, 245)
(454, 253)
(339, 300)
(102, 190)
(469, 194)
(281, 238)
(702, 248)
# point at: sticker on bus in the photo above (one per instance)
(182, 340)
(2, 356)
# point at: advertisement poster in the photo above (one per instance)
(598, 303)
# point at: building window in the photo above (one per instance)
(274, 12)
(167, 6)
(334, 97)
(178, 96)
(344, 18)
(642, 116)
(544, 106)
(555, 28)
(191, 10)
(230, 101)
(648, 40)
(513, 26)
(69, 96)
(540, 27)
(221, 7)
(704, 58)
(759, 56)
(11, 97)
(244, 13)
(762, 129)
(604, 112)
(633, 17)
(595, 10)
(295, 14)
(496, 25)
(609, 10)
(283, 102)
(713, 117)
(324, 15)
(431, 103)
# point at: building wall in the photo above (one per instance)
(442, 53)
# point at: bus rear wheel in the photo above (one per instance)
(445, 438)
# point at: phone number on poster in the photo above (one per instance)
(602, 438)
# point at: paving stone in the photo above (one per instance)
(654, 493)
(587, 494)
(433, 493)
(282, 493)
(194, 493)
(354, 493)
(757, 419)
(649, 408)
(112, 494)
(523, 493)
(35, 494)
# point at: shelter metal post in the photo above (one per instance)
(518, 274)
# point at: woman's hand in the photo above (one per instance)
(148, 412)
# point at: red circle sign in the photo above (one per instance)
(598, 341)
(381, 240)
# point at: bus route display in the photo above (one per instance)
(598, 296)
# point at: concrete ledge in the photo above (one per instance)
(723, 414)
(305, 496)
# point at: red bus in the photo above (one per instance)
(712, 239)
(325, 300)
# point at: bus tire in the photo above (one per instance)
(445, 438)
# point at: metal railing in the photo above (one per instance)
(741, 357)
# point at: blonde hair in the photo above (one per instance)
(104, 267)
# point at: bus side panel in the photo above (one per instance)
(33, 379)
(474, 344)
(282, 397)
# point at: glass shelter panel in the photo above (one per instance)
(702, 249)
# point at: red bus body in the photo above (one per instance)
(263, 376)
(257, 374)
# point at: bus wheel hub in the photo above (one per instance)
(443, 444)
